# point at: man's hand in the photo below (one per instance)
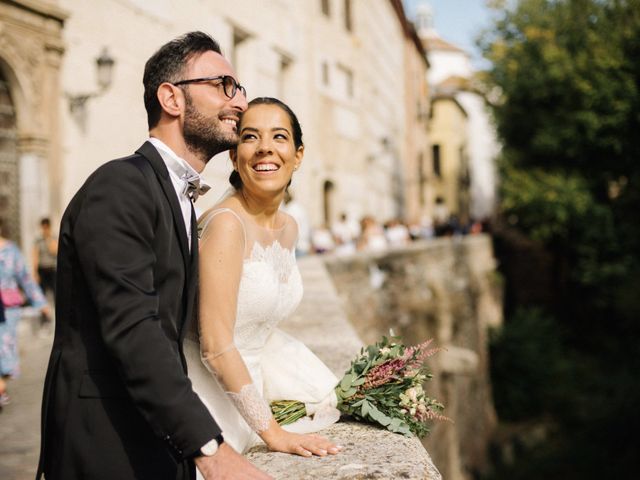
(228, 464)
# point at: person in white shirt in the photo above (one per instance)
(345, 233)
(294, 208)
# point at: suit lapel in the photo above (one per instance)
(150, 153)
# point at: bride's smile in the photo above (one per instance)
(267, 153)
(266, 167)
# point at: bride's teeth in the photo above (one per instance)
(265, 167)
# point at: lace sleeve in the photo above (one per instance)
(222, 245)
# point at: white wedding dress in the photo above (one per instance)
(281, 367)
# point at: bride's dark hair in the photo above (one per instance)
(234, 178)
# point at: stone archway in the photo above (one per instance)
(9, 172)
(31, 49)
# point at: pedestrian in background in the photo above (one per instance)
(45, 250)
(4, 398)
(294, 208)
(322, 239)
(372, 238)
(16, 283)
(346, 233)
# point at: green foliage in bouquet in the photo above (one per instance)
(383, 385)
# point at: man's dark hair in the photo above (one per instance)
(168, 65)
(45, 222)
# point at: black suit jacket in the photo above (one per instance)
(117, 402)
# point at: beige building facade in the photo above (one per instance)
(451, 75)
(450, 161)
(418, 199)
(344, 66)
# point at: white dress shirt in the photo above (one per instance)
(178, 183)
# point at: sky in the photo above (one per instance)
(457, 21)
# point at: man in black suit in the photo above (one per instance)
(117, 401)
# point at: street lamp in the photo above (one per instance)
(104, 70)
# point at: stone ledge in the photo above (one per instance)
(369, 452)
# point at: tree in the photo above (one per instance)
(568, 114)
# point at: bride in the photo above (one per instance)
(239, 360)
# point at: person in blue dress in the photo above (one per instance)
(16, 287)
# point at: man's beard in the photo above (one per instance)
(204, 136)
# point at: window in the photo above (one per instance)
(344, 82)
(326, 8)
(421, 179)
(284, 76)
(464, 169)
(327, 191)
(325, 73)
(239, 38)
(348, 21)
(435, 150)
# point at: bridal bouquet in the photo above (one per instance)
(383, 385)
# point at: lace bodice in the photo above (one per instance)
(270, 285)
(270, 290)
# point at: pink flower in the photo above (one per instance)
(416, 355)
(381, 374)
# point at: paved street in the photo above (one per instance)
(20, 421)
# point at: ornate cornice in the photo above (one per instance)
(41, 8)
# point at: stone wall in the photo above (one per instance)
(446, 289)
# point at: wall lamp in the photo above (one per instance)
(104, 70)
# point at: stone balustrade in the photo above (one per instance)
(446, 289)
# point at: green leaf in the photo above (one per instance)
(346, 382)
(399, 428)
(395, 422)
(352, 391)
(358, 381)
(378, 416)
(365, 409)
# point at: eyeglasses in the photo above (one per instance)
(229, 84)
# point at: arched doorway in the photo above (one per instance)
(9, 171)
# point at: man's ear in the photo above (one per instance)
(171, 99)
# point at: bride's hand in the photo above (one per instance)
(279, 440)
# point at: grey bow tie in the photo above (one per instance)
(194, 187)
(193, 184)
